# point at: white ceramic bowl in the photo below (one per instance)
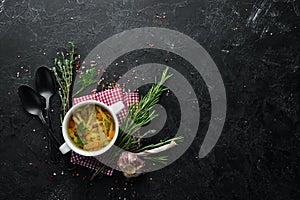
(68, 145)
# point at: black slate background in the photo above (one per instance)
(255, 45)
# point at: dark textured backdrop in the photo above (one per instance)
(255, 44)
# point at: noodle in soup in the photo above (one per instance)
(91, 127)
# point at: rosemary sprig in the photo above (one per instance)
(63, 72)
(138, 116)
(158, 159)
(86, 79)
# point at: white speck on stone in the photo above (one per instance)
(225, 51)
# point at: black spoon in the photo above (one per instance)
(45, 85)
(32, 103)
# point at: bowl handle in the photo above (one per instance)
(64, 148)
(117, 107)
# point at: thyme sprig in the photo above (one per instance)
(63, 72)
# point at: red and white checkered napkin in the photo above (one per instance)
(108, 97)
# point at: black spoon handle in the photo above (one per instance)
(54, 151)
(65, 157)
(50, 132)
(49, 118)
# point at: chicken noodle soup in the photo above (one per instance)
(91, 127)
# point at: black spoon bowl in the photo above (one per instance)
(32, 103)
(45, 84)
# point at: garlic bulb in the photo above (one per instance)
(132, 165)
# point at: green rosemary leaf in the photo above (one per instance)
(157, 159)
(86, 79)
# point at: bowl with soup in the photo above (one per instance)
(90, 128)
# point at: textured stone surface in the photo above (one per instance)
(255, 45)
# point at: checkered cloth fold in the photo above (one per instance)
(108, 97)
